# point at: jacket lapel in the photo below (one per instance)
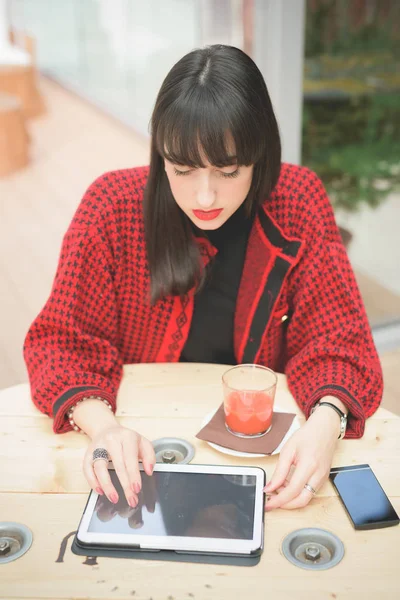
(270, 256)
(181, 312)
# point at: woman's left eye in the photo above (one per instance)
(231, 175)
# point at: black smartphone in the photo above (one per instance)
(363, 497)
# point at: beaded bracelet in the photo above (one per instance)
(72, 408)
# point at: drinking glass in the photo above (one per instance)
(249, 394)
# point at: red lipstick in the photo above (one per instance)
(207, 215)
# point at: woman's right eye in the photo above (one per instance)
(182, 172)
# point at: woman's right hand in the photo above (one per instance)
(106, 511)
(125, 448)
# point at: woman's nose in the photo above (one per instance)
(205, 195)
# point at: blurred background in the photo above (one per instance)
(78, 81)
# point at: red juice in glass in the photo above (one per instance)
(249, 413)
(249, 393)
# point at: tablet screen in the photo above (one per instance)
(182, 504)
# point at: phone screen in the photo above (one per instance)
(363, 497)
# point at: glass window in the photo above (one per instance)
(116, 54)
(351, 135)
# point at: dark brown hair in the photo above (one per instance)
(212, 97)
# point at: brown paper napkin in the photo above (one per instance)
(216, 432)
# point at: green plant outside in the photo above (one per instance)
(351, 113)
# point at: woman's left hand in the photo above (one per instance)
(310, 452)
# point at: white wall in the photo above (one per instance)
(375, 248)
(279, 28)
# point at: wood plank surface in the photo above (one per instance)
(42, 486)
(368, 570)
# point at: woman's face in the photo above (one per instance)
(210, 195)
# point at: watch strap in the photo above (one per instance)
(343, 417)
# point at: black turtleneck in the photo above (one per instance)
(211, 333)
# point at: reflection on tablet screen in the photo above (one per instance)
(182, 504)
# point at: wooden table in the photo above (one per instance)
(42, 486)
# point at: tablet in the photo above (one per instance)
(184, 508)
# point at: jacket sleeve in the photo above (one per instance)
(71, 347)
(329, 345)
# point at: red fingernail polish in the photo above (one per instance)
(99, 491)
(114, 497)
(136, 487)
(132, 502)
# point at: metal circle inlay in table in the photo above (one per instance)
(15, 540)
(313, 549)
(173, 451)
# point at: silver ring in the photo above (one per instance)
(100, 454)
(310, 489)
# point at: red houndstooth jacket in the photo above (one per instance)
(98, 315)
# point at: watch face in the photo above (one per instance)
(343, 425)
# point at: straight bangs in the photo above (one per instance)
(196, 128)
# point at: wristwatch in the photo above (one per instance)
(343, 417)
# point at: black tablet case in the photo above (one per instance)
(164, 555)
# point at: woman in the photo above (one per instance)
(215, 253)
